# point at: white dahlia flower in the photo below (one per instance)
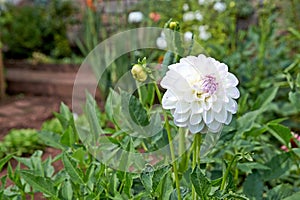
(220, 7)
(135, 17)
(200, 93)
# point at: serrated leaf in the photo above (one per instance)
(71, 168)
(201, 184)
(279, 192)
(4, 160)
(51, 139)
(137, 112)
(253, 186)
(146, 177)
(42, 184)
(280, 132)
(159, 175)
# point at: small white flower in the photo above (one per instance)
(185, 7)
(219, 6)
(203, 33)
(200, 93)
(198, 16)
(188, 36)
(188, 16)
(202, 2)
(135, 17)
(161, 41)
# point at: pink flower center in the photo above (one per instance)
(209, 84)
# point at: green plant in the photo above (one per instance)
(20, 142)
(43, 28)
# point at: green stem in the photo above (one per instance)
(170, 143)
(196, 158)
(227, 172)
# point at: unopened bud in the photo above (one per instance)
(173, 25)
(138, 73)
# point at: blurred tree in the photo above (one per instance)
(2, 81)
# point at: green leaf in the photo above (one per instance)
(159, 175)
(51, 139)
(246, 122)
(201, 184)
(253, 186)
(137, 112)
(66, 190)
(280, 132)
(279, 164)
(248, 167)
(298, 80)
(71, 168)
(265, 98)
(295, 196)
(42, 184)
(280, 192)
(93, 115)
(294, 99)
(168, 60)
(68, 137)
(4, 160)
(146, 177)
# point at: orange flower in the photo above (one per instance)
(154, 16)
(91, 5)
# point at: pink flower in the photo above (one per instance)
(154, 16)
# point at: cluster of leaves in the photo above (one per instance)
(43, 28)
(20, 142)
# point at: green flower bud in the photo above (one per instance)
(138, 73)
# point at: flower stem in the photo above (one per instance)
(196, 158)
(170, 143)
(227, 172)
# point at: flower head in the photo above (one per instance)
(200, 93)
(135, 17)
(219, 6)
(139, 73)
(154, 16)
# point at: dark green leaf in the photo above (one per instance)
(66, 190)
(294, 98)
(295, 196)
(201, 184)
(265, 98)
(137, 112)
(246, 122)
(71, 167)
(248, 167)
(42, 184)
(280, 132)
(278, 165)
(146, 177)
(280, 192)
(159, 175)
(51, 139)
(4, 160)
(253, 186)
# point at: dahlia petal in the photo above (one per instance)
(195, 119)
(221, 116)
(208, 117)
(196, 107)
(229, 118)
(181, 117)
(180, 124)
(214, 126)
(169, 100)
(217, 106)
(196, 128)
(182, 107)
(231, 80)
(233, 92)
(231, 106)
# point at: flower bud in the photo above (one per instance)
(173, 25)
(138, 73)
